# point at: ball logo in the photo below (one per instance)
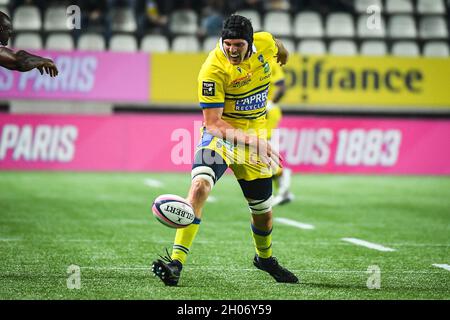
(173, 211)
(179, 212)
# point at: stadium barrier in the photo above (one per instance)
(166, 143)
(171, 79)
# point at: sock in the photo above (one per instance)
(183, 241)
(263, 242)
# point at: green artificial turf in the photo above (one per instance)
(102, 222)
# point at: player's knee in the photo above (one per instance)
(204, 174)
(261, 207)
(200, 188)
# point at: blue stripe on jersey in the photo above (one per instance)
(251, 116)
(279, 82)
(205, 105)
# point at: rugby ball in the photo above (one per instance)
(173, 211)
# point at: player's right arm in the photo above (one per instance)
(211, 93)
(23, 61)
(215, 125)
(218, 127)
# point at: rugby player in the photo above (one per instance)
(233, 84)
(21, 60)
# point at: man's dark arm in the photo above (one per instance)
(8, 58)
(280, 91)
(23, 61)
(283, 54)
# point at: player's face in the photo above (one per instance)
(5, 33)
(235, 50)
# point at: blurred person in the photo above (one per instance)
(153, 19)
(21, 60)
(96, 16)
(212, 18)
(282, 176)
(233, 86)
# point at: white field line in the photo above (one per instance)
(368, 244)
(443, 266)
(294, 223)
(153, 183)
(410, 244)
(10, 239)
(211, 199)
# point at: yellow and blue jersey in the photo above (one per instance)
(241, 90)
(278, 77)
(273, 110)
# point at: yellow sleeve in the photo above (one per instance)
(211, 79)
(276, 79)
(273, 119)
(277, 73)
(265, 42)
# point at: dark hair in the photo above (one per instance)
(238, 27)
(4, 16)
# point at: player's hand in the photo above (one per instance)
(268, 155)
(282, 55)
(282, 58)
(49, 67)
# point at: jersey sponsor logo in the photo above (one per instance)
(261, 58)
(242, 81)
(209, 88)
(253, 102)
(267, 76)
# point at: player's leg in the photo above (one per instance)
(283, 180)
(259, 196)
(276, 179)
(208, 167)
(282, 177)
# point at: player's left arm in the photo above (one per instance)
(279, 91)
(24, 61)
(282, 53)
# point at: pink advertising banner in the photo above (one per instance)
(90, 76)
(166, 143)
